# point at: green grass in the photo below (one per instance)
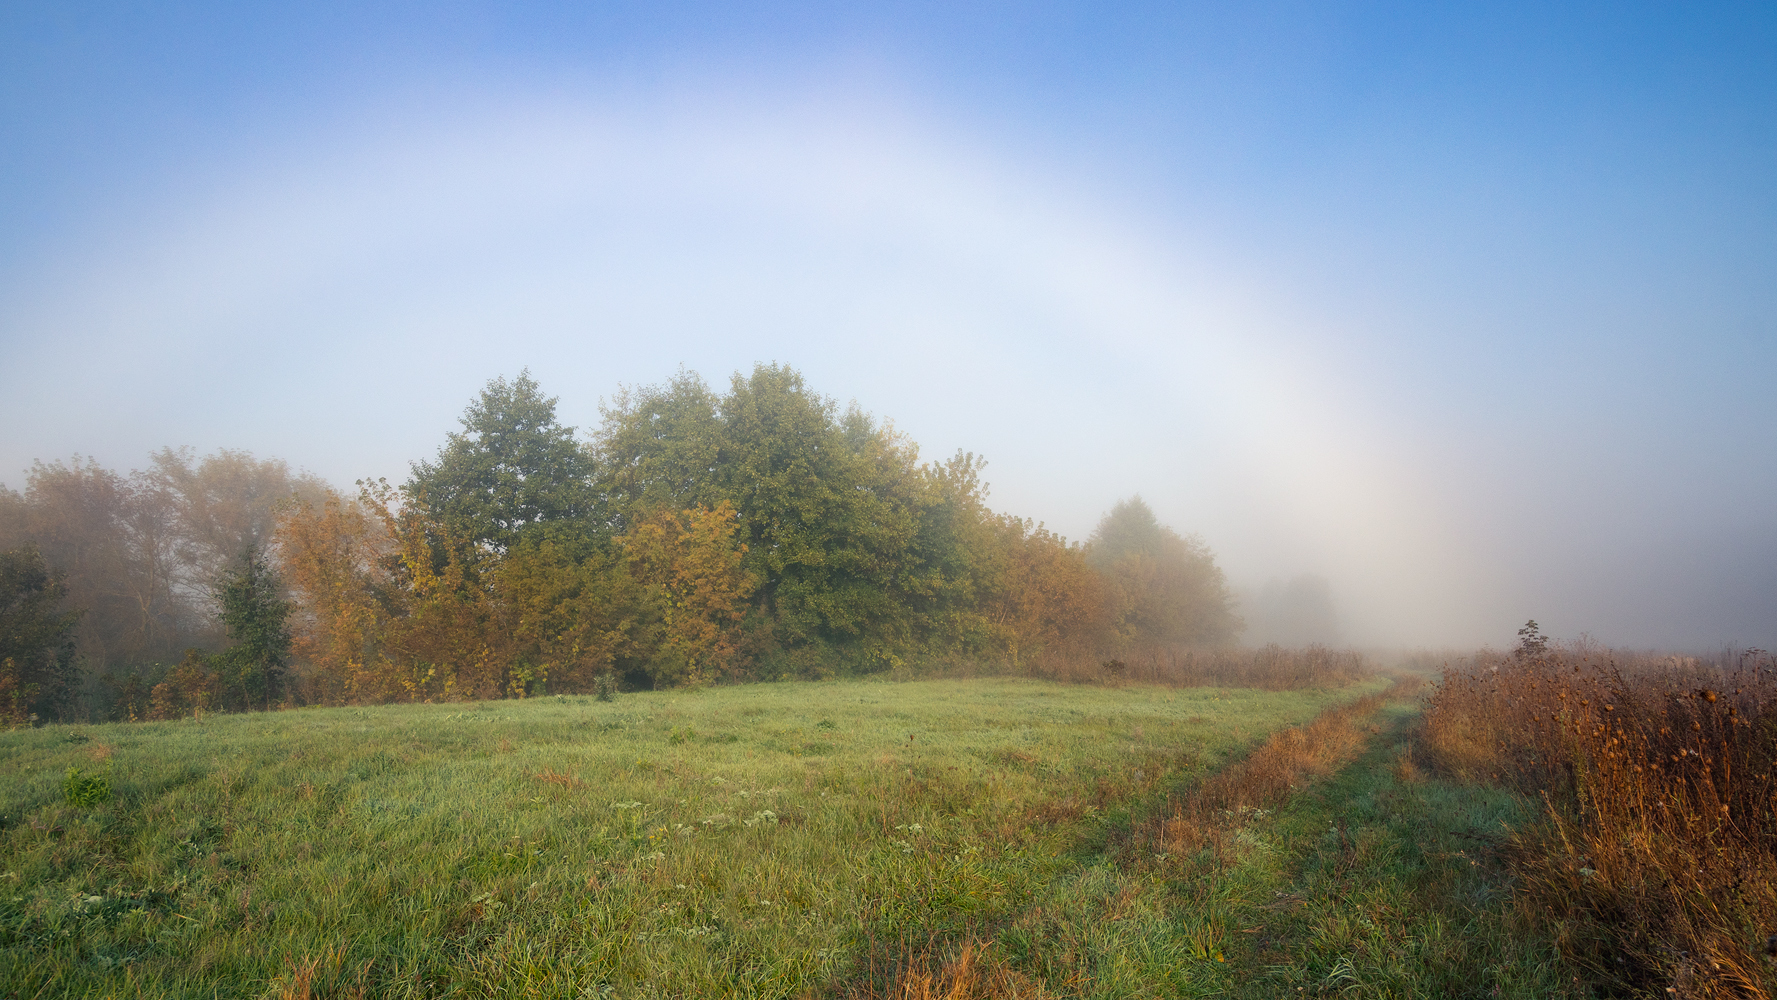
(762, 840)
(1384, 883)
(1375, 883)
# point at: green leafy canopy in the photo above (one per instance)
(512, 467)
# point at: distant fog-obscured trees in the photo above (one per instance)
(1169, 589)
(141, 556)
(698, 535)
(1295, 612)
(37, 673)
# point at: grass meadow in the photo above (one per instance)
(981, 837)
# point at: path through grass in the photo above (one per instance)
(1370, 879)
(1385, 883)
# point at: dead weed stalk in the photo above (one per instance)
(972, 972)
(1656, 865)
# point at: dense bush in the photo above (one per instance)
(1657, 865)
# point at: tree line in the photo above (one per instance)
(695, 536)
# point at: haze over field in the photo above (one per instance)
(1470, 315)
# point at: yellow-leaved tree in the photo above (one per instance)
(570, 609)
(442, 641)
(335, 560)
(1166, 588)
(1040, 595)
(690, 564)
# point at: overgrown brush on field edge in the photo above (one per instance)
(1656, 866)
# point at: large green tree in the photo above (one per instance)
(658, 449)
(512, 467)
(829, 502)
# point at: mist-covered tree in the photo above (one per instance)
(1294, 612)
(511, 468)
(1532, 643)
(1167, 589)
(36, 639)
(221, 507)
(1129, 529)
(113, 540)
(250, 672)
(141, 553)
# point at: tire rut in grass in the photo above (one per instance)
(1205, 818)
(1155, 864)
(1382, 881)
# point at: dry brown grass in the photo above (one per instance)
(1656, 868)
(550, 775)
(971, 972)
(323, 975)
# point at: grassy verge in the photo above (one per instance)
(1382, 882)
(764, 840)
(1323, 864)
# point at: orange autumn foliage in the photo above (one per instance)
(334, 560)
(390, 609)
(1041, 595)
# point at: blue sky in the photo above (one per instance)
(1471, 310)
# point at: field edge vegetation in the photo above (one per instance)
(1654, 860)
(695, 536)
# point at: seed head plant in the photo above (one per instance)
(1656, 864)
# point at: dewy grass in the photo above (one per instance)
(754, 841)
(1364, 879)
(1382, 882)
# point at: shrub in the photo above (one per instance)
(85, 790)
(189, 689)
(1657, 863)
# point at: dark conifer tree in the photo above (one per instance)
(251, 672)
